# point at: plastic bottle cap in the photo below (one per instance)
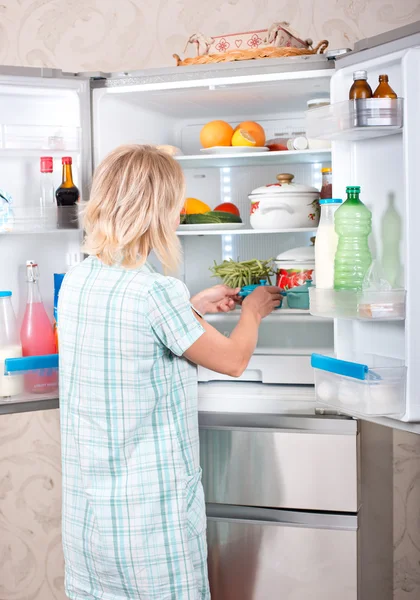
(326, 170)
(5, 294)
(46, 164)
(360, 75)
(353, 189)
(66, 160)
(330, 201)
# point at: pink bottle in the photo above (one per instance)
(37, 335)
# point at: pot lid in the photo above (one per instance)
(284, 185)
(301, 255)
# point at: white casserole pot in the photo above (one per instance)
(284, 205)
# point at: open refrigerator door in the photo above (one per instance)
(375, 145)
(170, 107)
(44, 114)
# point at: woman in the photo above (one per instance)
(133, 505)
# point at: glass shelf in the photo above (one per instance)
(243, 231)
(252, 159)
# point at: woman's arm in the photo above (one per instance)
(231, 356)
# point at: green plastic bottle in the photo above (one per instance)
(353, 224)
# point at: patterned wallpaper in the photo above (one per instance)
(112, 35)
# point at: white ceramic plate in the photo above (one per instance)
(208, 226)
(234, 149)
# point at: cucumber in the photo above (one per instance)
(210, 217)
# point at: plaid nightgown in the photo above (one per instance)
(134, 521)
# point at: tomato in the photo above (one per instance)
(228, 207)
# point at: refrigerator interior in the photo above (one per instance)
(154, 114)
(385, 169)
(39, 117)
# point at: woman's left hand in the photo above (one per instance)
(219, 298)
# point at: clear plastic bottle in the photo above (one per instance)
(391, 242)
(353, 225)
(10, 347)
(47, 193)
(326, 244)
(37, 335)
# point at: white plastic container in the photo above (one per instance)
(10, 385)
(326, 244)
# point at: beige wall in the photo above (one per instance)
(121, 34)
(127, 34)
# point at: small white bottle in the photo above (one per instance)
(10, 346)
(326, 244)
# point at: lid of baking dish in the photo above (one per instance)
(284, 185)
(301, 255)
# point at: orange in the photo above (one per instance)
(192, 206)
(216, 133)
(255, 130)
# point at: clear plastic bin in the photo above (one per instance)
(372, 306)
(373, 386)
(355, 119)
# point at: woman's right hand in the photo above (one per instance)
(263, 300)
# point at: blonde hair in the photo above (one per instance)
(137, 195)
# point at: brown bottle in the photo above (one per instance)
(67, 196)
(384, 90)
(360, 88)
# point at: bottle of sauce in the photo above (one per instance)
(326, 189)
(10, 347)
(67, 196)
(353, 225)
(36, 334)
(384, 90)
(326, 244)
(360, 88)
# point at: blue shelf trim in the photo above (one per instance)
(49, 362)
(339, 367)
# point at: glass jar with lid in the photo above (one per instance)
(326, 187)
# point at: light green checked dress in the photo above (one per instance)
(134, 523)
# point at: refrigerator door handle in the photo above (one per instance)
(286, 518)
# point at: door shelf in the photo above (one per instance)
(39, 138)
(356, 119)
(374, 387)
(29, 373)
(237, 159)
(366, 306)
(29, 219)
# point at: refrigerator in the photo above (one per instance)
(300, 519)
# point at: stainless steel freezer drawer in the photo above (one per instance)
(280, 555)
(279, 462)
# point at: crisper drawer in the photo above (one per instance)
(286, 341)
(257, 554)
(272, 461)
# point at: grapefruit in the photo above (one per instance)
(255, 130)
(242, 138)
(216, 133)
